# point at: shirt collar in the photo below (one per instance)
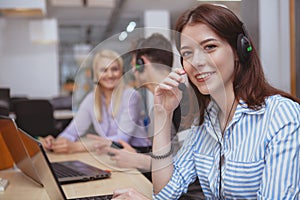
(242, 108)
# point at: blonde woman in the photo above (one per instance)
(112, 109)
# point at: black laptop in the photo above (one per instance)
(76, 171)
(35, 163)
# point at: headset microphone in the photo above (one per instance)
(182, 86)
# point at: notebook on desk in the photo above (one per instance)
(35, 162)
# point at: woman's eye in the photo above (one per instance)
(210, 47)
(186, 54)
(115, 69)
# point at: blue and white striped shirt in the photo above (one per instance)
(260, 151)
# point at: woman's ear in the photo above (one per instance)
(236, 56)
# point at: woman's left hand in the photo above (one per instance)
(100, 144)
(128, 194)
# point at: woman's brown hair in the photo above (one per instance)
(249, 82)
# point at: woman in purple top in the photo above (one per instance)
(113, 109)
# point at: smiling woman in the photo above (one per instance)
(243, 136)
(207, 52)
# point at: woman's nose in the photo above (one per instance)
(109, 73)
(199, 59)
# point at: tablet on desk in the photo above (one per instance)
(37, 165)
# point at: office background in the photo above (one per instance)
(40, 70)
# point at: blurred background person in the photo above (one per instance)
(113, 109)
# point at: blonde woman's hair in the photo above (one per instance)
(117, 93)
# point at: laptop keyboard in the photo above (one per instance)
(101, 197)
(62, 171)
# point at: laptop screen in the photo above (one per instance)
(17, 150)
(30, 157)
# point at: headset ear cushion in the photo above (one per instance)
(243, 46)
(140, 64)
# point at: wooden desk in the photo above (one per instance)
(21, 187)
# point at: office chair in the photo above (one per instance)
(4, 101)
(14, 99)
(35, 116)
(62, 102)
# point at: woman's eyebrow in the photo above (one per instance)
(201, 43)
(184, 47)
(207, 40)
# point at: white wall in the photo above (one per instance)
(26, 68)
(159, 20)
(274, 33)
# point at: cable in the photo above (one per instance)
(220, 163)
(219, 142)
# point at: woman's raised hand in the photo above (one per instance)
(167, 94)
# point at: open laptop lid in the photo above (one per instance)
(17, 149)
(45, 170)
(30, 157)
(43, 167)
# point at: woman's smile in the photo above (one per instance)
(202, 77)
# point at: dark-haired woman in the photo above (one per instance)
(245, 144)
